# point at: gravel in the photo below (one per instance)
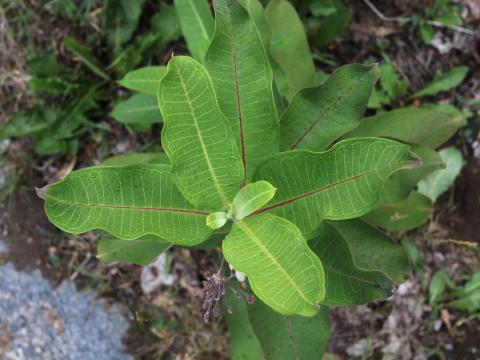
(38, 322)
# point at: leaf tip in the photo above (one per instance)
(41, 192)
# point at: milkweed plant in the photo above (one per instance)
(273, 164)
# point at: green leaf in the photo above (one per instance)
(438, 284)
(119, 20)
(139, 251)
(136, 159)
(345, 283)
(197, 138)
(440, 181)
(216, 220)
(416, 126)
(251, 198)
(444, 82)
(334, 25)
(127, 202)
(341, 183)
(289, 45)
(244, 344)
(29, 122)
(144, 80)
(426, 33)
(468, 297)
(197, 25)
(139, 109)
(282, 271)
(405, 215)
(290, 337)
(85, 56)
(242, 78)
(319, 115)
(372, 250)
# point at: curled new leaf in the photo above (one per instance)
(251, 198)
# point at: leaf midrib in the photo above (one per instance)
(237, 93)
(313, 192)
(274, 260)
(128, 207)
(199, 19)
(202, 143)
(343, 95)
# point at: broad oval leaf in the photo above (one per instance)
(341, 183)
(138, 110)
(197, 25)
(282, 271)
(401, 216)
(318, 116)
(251, 198)
(139, 251)
(127, 202)
(373, 250)
(144, 80)
(289, 46)
(345, 283)
(290, 337)
(197, 138)
(243, 80)
(417, 126)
